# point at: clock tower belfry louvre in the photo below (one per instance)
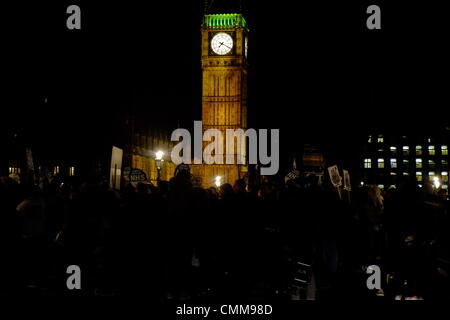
(224, 46)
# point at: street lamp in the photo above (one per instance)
(159, 155)
(218, 181)
(436, 182)
(159, 162)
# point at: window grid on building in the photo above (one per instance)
(425, 159)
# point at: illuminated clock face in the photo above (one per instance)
(222, 43)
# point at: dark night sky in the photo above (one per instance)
(316, 72)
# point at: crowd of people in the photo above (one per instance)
(180, 241)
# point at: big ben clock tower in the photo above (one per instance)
(224, 48)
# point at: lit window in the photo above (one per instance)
(444, 150)
(431, 163)
(56, 170)
(405, 150)
(444, 186)
(381, 186)
(367, 163)
(393, 150)
(71, 171)
(431, 150)
(380, 139)
(405, 173)
(418, 163)
(444, 162)
(406, 163)
(429, 140)
(419, 150)
(419, 176)
(380, 163)
(369, 140)
(419, 185)
(393, 163)
(393, 174)
(14, 170)
(444, 175)
(431, 174)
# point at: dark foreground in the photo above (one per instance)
(182, 242)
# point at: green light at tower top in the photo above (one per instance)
(224, 21)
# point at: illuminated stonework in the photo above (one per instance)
(224, 90)
(221, 21)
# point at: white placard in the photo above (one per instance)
(335, 178)
(347, 184)
(116, 168)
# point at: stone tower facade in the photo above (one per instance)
(224, 47)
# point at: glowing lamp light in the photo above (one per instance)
(218, 181)
(436, 182)
(159, 155)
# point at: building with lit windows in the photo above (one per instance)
(388, 158)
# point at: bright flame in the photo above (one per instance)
(436, 182)
(159, 155)
(218, 181)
